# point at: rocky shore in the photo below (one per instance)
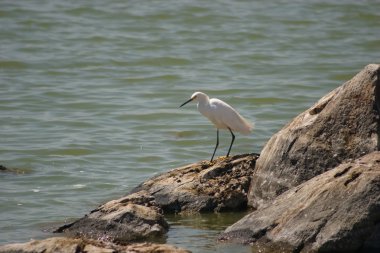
(140, 215)
(314, 188)
(316, 185)
(121, 225)
(335, 211)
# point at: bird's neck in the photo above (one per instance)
(204, 106)
(204, 102)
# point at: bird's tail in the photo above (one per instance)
(249, 126)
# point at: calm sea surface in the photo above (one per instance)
(89, 94)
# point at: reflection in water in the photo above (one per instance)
(199, 232)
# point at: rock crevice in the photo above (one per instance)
(323, 214)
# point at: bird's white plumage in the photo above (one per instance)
(221, 114)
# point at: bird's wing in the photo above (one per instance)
(226, 116)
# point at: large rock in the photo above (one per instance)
(131, 218)
(338, 211)
(71, 245)
(203, 186)
(342, 125)
(199, 187)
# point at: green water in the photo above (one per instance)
(89, 93)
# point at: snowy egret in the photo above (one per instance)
(222, 115)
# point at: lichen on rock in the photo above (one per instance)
(203, 186)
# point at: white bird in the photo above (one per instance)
(222, 115)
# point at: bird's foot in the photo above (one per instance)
(210, 163)
(218, 158)
(206, 163)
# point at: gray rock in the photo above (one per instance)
(337, 211)
(203, 186)
(131, 218)
(71, 245)
(199, 187)
(343, 125)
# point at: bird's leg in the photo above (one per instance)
(217, 143)
(232, 141)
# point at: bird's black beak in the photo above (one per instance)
(188, 101)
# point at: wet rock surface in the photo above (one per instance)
(337, 211)
(131, 218)
(342, 125)
(203, 186)
(71, 245)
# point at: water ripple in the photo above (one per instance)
(90, 91)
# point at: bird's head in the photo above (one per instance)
(198, 96)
